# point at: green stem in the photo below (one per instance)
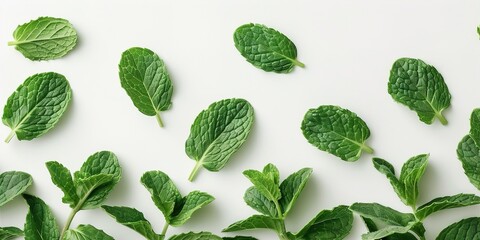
(69, 221)
(415, 235)
(159, 119)
(165, 228)
(194, 171)
(367, 149)
(10, 136)
(298, 63)
(11, 43)
(442, 119)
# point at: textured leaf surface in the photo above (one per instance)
(218, 132)
(86, 232)
(40, 223)
(259, 202)
(191, 203)
(254, 222)
(475, 125)
(332, 224)
(266, 48)
(37, 105)
(7, 233)
(45, 38)
(164, 192)
(388, 170)
(134, 219)
(195, 236)
(272, 172)
(144, 77)
(412, 172)
(442, 203)
(62, 178)
(12, 184)
(469, 154)
(291, 188)
(337, 131)
(420, 87)
(417, 229)
(466, 229)
(265, 185)
(382, 213)
(387, 231)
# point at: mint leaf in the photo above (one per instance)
(475, 125)
(218, 132)
(195, 236)
(259, 202)
(466, 229)
(254, 222)
(332, 224)
(12, 184)
(7, 233)
(191, 203)
(37, 105)
(271, 171)
(265, 185)
(239, 238)
(388, 170)
(40, 223)
(410, 175)
(266, 48)
(337, 131)
(86, 188)
(417, 229)
(134, 219)
(45, 38)
(144, 77)
(469, 154)
(387, 231)
(382, 213)
(420, 87)
(291, 188)
(62, 178)
(86, 232)
(441, 203)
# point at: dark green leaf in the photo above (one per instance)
(265, 185)
(466, 229)
(40, 223)
(87, 186)
(420, 87)
(218, 132)
(469, 154)
(134, 219)
(254, 222)
(388, 170)
(475, 125)
(417, 229)
(291, 188)
(441, 203)
(37, 105)
(332, 224)
(45, 38)
(144, 77)
(410, 175)
(266, 48)
(259, 202)
(239, 238)
(387, 231)
(191, 203)
(86, 232)
(337, 131)
(195, 236)
(62, 178)
(384, 214)
(13, 184)
(7, 233)
(164, 192)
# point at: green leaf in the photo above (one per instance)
(239, 238)
(475, 125)
(62, 178)
(7, 233)
(144, 77)
(45, 38)
(332, 224)
(86, 232)
(266, 48)
(37, 105)
(337, 131)
(254, 222)
(388, 170)
(265, 185)
(291, 188)
(417, 229)
(420, 87)
(102, 167)
(447, 202)
(271, 171)
(382, 213)
(40, 223)
(259, 202)
(218, 132)
(469, 154)
(195, 236)
(134, 219)
(410, 175)
(12, 184)
(466, 229)
(164, 192)
(191, 203)
(387, 231)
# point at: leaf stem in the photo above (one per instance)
(298, 63)
(159, 119)
(442, 119)
(415, 235)
(11, 43)
(69, 221)
(10, 136)
(367, 149)
(165, 228)
(194, 171)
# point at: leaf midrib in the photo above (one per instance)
(39, 40)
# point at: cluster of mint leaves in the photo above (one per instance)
(215, 135)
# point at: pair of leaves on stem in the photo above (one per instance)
(37, 105)
(275, 200)
(45, 38)
(398, 225)
(420, 87)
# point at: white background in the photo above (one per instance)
(348, 48)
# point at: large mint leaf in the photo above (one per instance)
(45, 38)
(195, 236)
(7, 233)
(134, 219)
(218, 132)
(466, 229)
(388, 170)
(291, 188)
(191, 203)
(442, 203)
(475, 125)
(420, 87)
(382, 213)
(469, 154)
(13, 184)
(254, 222)
(37, 105)
(337, 131)
(40, 223)
(412, 172)
(265, 185)
(62, 178)
(164, 192)
(144, 77)
(259, 202)
(86, 232)
(332, 224)
(266, 48)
